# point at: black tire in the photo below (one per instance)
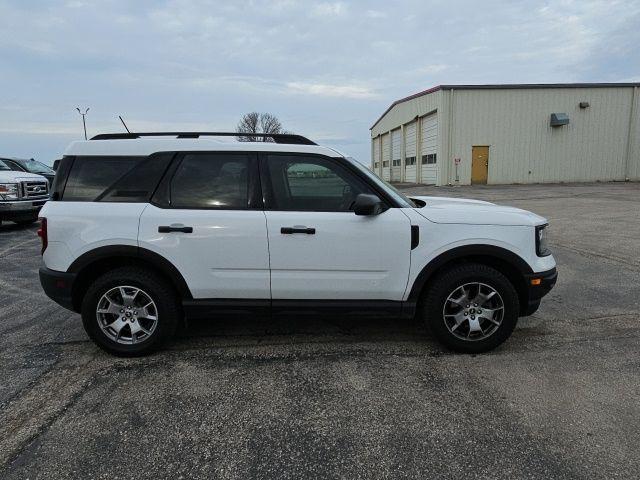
(447, 282)
(165, 298)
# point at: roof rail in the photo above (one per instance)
(289, 138)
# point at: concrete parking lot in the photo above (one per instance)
(337, 398)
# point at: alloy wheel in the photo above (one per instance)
(127, 315)
(473, 311)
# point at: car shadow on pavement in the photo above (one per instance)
(311, 327)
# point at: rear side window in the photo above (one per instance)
(211, 180)
(91, 176)
(114, 179)
(139, 183)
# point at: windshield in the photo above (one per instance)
(34, 166)
(401, 198)
(4, 166)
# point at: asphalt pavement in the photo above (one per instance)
(335, 398)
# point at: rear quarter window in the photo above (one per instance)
(114, 179)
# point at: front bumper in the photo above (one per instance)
(58, 286)
(538, 285)
(10, 209)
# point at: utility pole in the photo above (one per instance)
(84, 123)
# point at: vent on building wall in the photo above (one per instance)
(559, 119)
(584, 104)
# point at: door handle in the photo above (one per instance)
(297, 229)
(176, 227)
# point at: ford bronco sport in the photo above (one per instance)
(144, 230)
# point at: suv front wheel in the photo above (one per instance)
(130, 311)
(471, 308)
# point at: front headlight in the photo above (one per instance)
(9, 191)
(542, 246)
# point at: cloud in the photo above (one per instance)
(324, 90)
(375, 14)
(431, 69)
(335, 9)
(330, 67)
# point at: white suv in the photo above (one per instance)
(146, 229)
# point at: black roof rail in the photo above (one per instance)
(289, 138)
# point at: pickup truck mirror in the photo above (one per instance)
(55, 164)
(366, 204)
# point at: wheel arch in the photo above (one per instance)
(511, 265)
(94, 263)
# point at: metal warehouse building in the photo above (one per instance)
(510, 134)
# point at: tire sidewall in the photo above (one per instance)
(446, 283)
(162, 296)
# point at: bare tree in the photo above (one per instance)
(255, 122)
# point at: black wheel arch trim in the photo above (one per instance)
(154, 259)
(459, 253)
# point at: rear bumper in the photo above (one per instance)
(58, 286)
(547, 280)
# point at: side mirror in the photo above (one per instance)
(368, 205)
(55, 164)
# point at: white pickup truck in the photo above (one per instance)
(22, 195)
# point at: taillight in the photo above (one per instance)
(42, 233)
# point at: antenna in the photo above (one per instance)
(84, 124)
(125, 125)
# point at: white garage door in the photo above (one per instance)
(375, 164)
(410, 143)
(396, 154)
(429, 147)
(386, 157)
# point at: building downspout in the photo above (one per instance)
(373, 157)
(419, 149)
(403, 148)
(449, 138)
(632, 117)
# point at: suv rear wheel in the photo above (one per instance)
(130, 311)
(471, 308)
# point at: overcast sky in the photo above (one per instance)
(326, 69)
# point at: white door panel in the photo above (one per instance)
(349, 257)
(226, 255)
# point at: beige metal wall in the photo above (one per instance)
(401, 115)
(406, 112)
(396, 155)
(601, 142)
(524, 148)
(385, 146)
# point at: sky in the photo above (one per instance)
(327, 70)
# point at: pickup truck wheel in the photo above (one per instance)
(471, 308)
(130, 311)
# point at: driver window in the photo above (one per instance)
(301, 183)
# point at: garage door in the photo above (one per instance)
(429, 147)
(386, 157)
(396, 155)
(375, 163)
(410, 143)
